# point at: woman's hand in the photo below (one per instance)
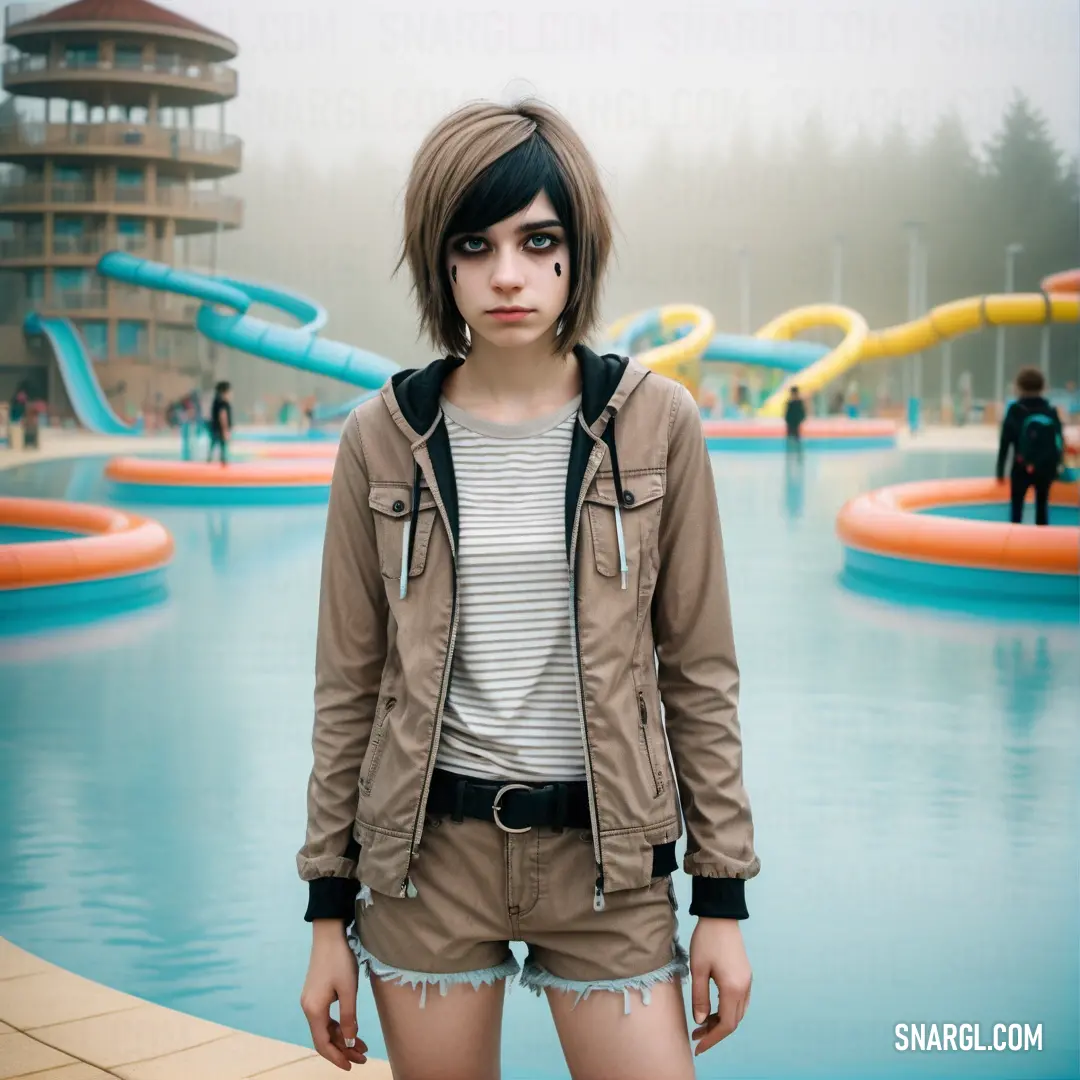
(717, 953)
(332, 976)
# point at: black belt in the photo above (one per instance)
(514, 807)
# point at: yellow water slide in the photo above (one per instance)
(945, 321)
(680, 359)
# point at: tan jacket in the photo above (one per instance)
(651, 624)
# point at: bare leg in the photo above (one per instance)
(601, 1042)
(453, 1037)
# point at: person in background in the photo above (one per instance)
(31, 423)
(1032, 428)
(794, 415)
(220, 422)
(852, 399)
(18, 411)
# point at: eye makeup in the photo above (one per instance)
(463, 244)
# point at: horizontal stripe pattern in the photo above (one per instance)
(511, 710)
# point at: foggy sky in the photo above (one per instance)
(333, 78)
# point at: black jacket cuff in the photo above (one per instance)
(331, 898)
(719, 898)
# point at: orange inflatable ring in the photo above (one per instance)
(828, 433)
(243, 482)
(886, 536)
(115, 544)
(298, 452)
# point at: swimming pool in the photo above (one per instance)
(913, 776)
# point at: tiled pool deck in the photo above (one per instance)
(59, 1026)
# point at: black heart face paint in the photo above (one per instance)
(558, 270)
(453, 273)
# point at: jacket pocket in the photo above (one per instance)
(639, 515)
(373, 754)
(392, 509)
(656, 770)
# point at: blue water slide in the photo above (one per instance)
(77, 370)
(298, 347)
(786, 356)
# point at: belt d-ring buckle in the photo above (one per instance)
(495, 807)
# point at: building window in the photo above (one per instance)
(81, 56)
(96, 336)
(68, 226)
(129, 177)
(129, 57)
(70, 174)
(71, 279)
(35, 284)
(178, 345)
(130, 338)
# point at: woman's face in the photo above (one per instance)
(511, 281)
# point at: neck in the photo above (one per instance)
(530, 376)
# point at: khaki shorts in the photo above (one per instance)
(479, 888)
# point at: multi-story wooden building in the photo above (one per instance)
(101, 148)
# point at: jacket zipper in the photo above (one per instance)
(406, 887)
(643, 713)
(378, 734)
(598, 890)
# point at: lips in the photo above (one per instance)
(510, 311)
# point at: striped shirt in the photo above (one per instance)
(512, 709)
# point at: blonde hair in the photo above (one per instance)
(486, 159)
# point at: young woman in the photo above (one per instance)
(522, 561)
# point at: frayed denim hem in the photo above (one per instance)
(536, 979)
(375, 968)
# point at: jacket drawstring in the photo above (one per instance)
(609, 438)
(408, 535)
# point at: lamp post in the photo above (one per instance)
(744, 289)
(1011, 251)
(917, 268)
(838, 269)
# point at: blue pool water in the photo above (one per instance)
(1059, 515)
(17, 534)
(913, 775)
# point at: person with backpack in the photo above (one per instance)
(1032, 428)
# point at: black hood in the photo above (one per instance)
(417, 390)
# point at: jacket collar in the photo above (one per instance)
(412, 395)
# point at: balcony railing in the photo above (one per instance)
(180, 144)
(127, 302)
(91, 299)
(185, 69)
(22, 247)
(77, 245)
(176, 199)
(89, 245)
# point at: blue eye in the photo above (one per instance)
(465, 245)
(547, 242)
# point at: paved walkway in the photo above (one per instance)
(58, 1026)
(57, 443)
